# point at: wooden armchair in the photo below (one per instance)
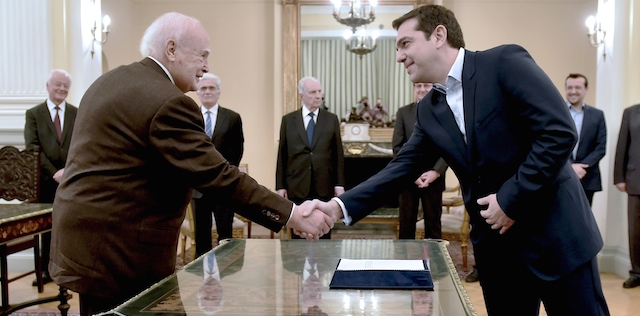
(187, 231)
(19, 180)
(455, 219)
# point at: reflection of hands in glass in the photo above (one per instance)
(311, 292)
(308, 222)
(210, 294)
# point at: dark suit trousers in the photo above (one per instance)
(634, 233)
(48, 189)
(510, 288)
(408, 203)
(202, 216)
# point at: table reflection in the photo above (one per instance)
(291, 277)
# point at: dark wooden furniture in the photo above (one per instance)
(26, 221)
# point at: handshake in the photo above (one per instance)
(314, 218)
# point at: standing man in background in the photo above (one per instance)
(224, 127)
(626, 177)
(310, 157)
(592, 135)
(428, 187)
(49, 125)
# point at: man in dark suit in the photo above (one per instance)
(592, 135)
(49, 126)
(499, 122)
(138, 150)
(428, 187)
(224, 126)
(626, 177)
(310, 156)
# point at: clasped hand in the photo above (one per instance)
(494, 215)
(314, 218)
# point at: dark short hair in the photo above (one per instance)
(429, 17)
(575, 76)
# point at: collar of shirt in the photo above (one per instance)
(305, 113)
(52, 111)
(213, 110)
(571, 108)
(163, 68)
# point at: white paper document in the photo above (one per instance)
(367, 264)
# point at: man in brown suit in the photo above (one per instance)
(139, 147)
(626, 177)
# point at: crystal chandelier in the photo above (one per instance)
(361, 43)
(357, 15)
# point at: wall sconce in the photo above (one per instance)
(106, 21)
(594, 31)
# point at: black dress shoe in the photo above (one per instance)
(473, 276)
(45, 279)
(631, 282)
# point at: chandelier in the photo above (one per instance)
(360, 42)
(357, 15)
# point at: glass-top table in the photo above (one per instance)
(272, 277)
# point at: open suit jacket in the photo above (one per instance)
(519, 138)
(300, 167)
(39, 131)
(592, 145)
(627, 162)
(138, 149)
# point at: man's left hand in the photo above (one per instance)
(494, 215)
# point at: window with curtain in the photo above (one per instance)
(346, 78)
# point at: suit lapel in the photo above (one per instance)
(468, 98)
(221, 122)
(69, 121)
(299, 124)
(320, 126)
(443, 114)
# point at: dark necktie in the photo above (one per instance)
(56, 123)
(310, 129)
(208, 128)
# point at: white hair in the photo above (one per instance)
(214, 77)
(167, 26)
(301, 87)
(62, 71)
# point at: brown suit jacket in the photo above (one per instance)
(626, 166)
(139, 147)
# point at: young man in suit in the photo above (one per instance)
(428, 187)
(224, 126)
(592, 140)
(138, 151)
(49, 126)
(310, 156)
(499, 122)
(626, 178)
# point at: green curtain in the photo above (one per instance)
(346, 78)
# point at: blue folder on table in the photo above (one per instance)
(382, 279)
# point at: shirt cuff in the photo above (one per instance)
(347, 219)
(293, 208)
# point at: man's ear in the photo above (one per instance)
(170, 50)
(440, 35)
